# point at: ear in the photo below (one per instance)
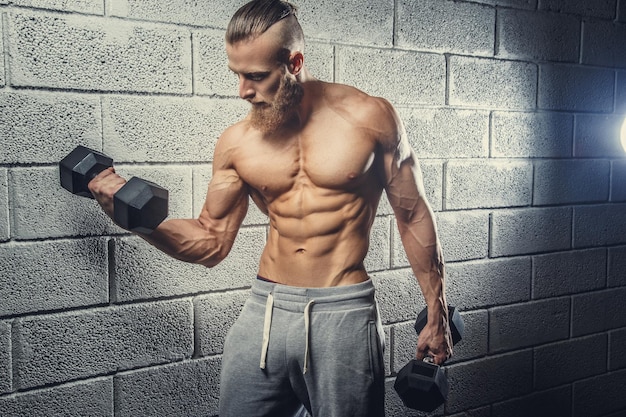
(296, 62)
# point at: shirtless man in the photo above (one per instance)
(315, 157)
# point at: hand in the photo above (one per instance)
(435, 341)
(104, 186)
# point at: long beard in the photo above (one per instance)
(269, 118)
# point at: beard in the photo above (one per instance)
(268, 118)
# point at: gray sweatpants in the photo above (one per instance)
(317, 347)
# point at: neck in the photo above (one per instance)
(311, 92)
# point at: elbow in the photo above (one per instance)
(208, 253)
(211, 261)
(209, 264)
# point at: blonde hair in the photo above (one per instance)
(256, 17)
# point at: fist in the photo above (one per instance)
(104, 186)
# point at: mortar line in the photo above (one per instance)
(115, 395)
(490, 235)
(496, 35)
(571, 316)
(573, 229)
(9, 201)
(335, 64)
(101, 101)
(573, 138)
(537, 85)
(12, 356)
(615, 88)
(444, 177)
(581, 41)
(10, 211)
(446, 98)
(607, 265)
(193, 72)
(490, 130)
(392, 232)
(196, 354)
(394, 24)
(5, 47)
(193, 200)
(532, 182)
(392, 343)
(111, 271)
(611, 167)
(532, 277)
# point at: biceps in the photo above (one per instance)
(227, 195)
(414, 216)
(405, 187)
(226, 204)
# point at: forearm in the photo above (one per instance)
(190, 240)
(419, 238)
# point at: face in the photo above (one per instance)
(265, 82)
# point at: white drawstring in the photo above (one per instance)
(267, 324)
(269, 306)
(307, 326)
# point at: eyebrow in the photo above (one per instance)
(258, 72)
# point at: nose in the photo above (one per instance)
(246, 91)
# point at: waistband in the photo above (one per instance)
(328, 298)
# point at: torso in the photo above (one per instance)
(320, 186)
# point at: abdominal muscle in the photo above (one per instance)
(318, 238)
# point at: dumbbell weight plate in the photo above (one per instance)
(79, 167)
(140, 205)
(422, 385)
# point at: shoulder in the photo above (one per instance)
(371, 113)
(229, 144)
(376, 116)
(233, 134)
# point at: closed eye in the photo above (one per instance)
(256, 76)
(252, 76)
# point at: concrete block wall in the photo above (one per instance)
(513, 106)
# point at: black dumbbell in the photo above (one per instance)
(422, 385)
(139, 206)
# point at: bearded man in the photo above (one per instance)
(315, 157)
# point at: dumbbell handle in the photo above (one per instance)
(455, 320)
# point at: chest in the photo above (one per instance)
(330, 157)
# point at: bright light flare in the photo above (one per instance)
(623, 134)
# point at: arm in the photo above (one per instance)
(418, 232)
(205, 240)
(209, 238)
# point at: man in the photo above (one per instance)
(315, 157)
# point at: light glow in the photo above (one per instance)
(623, 134)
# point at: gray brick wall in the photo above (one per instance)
(513, 106)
